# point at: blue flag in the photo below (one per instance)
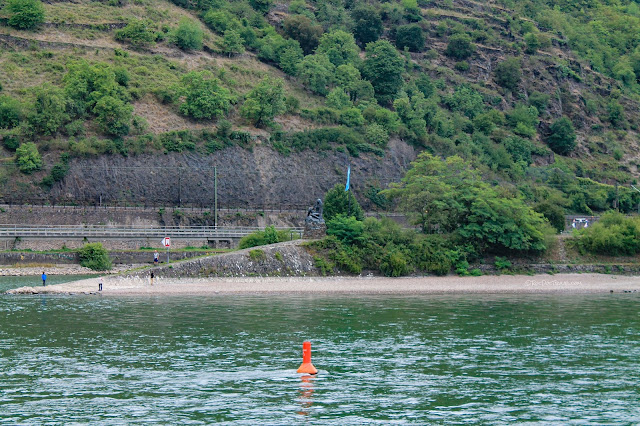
(346, 188)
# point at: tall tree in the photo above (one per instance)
(367, 24)
(264, 102)
(383, 67)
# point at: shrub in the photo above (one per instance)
(302, 29)
(10, 112)
(507, 74)
(28, 158)
(257, 255)
(232, 43)
(24, 14)
(460, 46)
(113, 115)
(532, 43)
(264, 102)
(204, 97)
(138, 32)
(346, 229)
(49, 109)
(553, 213)
(394, 264)
(260, 238)
(410, 36)
(563, 137)
(614, 234)
(94, 256)
(188, 35)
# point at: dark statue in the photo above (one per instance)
(314, 214)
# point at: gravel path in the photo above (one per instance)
(559, 283)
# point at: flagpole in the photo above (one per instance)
(348, 187)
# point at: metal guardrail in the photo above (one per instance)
(81, 231)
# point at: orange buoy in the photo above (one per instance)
(306, 366)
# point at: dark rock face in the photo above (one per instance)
(246, 178)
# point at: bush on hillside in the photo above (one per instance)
(94, 256)
(460, 46)
(261, 238)
(563, 137)
(24, 14)
(188, 35)
(28, 158)
(614, 235)
(138, 32)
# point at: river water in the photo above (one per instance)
(493, 359)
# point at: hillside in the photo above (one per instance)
(140, 100)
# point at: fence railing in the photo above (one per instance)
(81, 231)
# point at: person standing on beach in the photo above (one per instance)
(156, 257)
(44, 279)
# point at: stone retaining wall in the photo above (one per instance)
(281, 259)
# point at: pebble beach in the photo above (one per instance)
(487, 284)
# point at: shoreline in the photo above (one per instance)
(369, 285)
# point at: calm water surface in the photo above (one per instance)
(232, 359)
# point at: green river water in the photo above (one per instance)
(469, 359)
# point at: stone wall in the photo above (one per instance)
(117, 257)
(282, 259)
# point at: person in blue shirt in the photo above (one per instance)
(44, 279)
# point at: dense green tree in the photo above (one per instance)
(261, 6)
(383, 67)
(615, 113)
(508, 74)
(232, 43)
(303, 30)
(86, 83)
(465, 100)
(28, 158)
(523, 119)
(377, 135)
(450, 197)
(24, 14)
(553, 213)
(340, 47)
(188, 35)
(10, 112)
(290, 59)
(424, 84)
(338, 99)
(460, 46)
(138, 32)
(49, 109)
(113, 115)
(351, 117)
(94, 256)
(204, 97)
(316, 73)
(345, 228)
(264, 102)
(367, 24)
(410, 36)
(613, 235)
(337, 201)
(562, 139)
(220, 21)
(539, 101)
(531, 40)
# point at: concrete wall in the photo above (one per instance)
(117, 257)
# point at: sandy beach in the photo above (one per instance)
(505, 284)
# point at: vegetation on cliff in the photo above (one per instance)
(540, 98)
